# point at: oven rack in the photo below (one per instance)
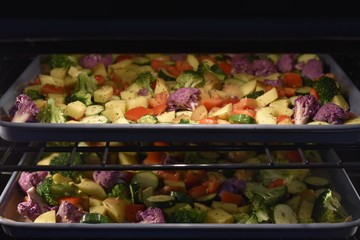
(15, 156)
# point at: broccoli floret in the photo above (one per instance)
(184, 121)
(51, 113)
(263, 199)
(241, 217)
(326, 88)
(81, 96)
(85, 83)
(183, 99)
(147, 119)
(61, 61)
(120, 190)
(189, 79)
(325, 207)
(187, 214)
(34, 95)
(51, 192)
(24, 109)
(144, 80)
(151, 215)
(331, 113)
(305, 108)
(63, 159)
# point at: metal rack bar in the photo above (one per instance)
(38, 149)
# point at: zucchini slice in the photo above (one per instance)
(315, 182)
(296, 186)
(160, 201)
(166, 75)
(284, 214)
(94, 218)
(146, 179)
(241, 119)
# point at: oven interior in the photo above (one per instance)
(134, 35)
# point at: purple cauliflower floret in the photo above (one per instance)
(150, 215)
(232, 185)
(107, 179)
(286, 62)
(331, 113)
(89, 61)
(305, 108)
(68, 213)
(28, 180)
(183, 99)
(24, 110)
(275, 83)
(143, 92)
(33, 206)
(241, 64)
(263, 67)
(312, 69)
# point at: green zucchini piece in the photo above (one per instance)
(296, 186)
(135, 193)
(255, 94)
(315, 182)
(141, 61)
(207, 199)
(146, 179)
(182, 197)
(305, 90)
(160, 201)
(166, 75)
(241, 119)
(94, 218)
(284, 214)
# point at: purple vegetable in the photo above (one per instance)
(183, 99)
(68, 213)
(312, 69)
(89, 61)
(24, 110)
(28, 180)
(305, 108)
(331, 113)
(107, 179)
(232, 185)
(178, 57)
(241, 64)
(286, 62)
(150, 215)
(33, 207)
(263, 67)
(143, 92)
(275, 83)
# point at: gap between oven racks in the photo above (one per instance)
(25, 156)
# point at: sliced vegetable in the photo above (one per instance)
(94, 218)
(160, 201)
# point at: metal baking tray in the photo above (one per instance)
(14, 226)
(178, 132)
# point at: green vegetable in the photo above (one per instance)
(315, 182)
(51, 113)
(160, 201)
(184, 121)
(63, 159)
(255, 94)
(326, 207)
(144, 80)
(166, 75)
(94, 218)
(147, 119)
(146, 179)
(51, 192)
(85, 83)
(189, 79)
(241, 119)
(61, 61)
(241, 218)
(34, 95)
(187, 214)
(81, 96)
(326, 88)
(182, 197)
(120, 190)
(218, 72)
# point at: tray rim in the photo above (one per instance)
(255, 132)
(345, 229)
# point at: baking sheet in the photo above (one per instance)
(12, 226)
(178, 132)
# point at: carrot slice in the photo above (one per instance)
(293, 80)
(135, 113)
